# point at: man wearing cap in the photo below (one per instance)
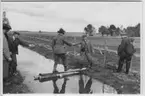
(15, 41)
(59, 50)
(125, 53)
(6, 53)
(86, 49)
(5, 19)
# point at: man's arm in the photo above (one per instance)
(23, 43)
(8, 21)
(67, 43)
(122, 45)
(6, 54)
(76, 44)
(6, 51)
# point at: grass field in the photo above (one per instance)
(130, 82)
(97, 41)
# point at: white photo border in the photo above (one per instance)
(142, 67)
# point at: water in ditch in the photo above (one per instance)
(31, 64)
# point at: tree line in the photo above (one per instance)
(112, 30)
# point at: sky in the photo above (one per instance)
(72, 17)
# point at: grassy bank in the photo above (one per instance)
(124, 84)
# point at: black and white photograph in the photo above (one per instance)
(71, 47)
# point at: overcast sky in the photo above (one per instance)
(73, 17)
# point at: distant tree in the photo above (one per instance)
(90, 30)
(40, 31)
(137, 32)
(133, 31)
(103, 30)
(118, 31)
(112, 29)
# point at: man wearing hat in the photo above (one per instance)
(15, 41)
(5, 19)
(6, 53)
(86, 49)
(59, 50)
(125, 53)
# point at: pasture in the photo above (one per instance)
(43, 41)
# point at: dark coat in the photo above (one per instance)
(13, 44)
(6, 55)
(126, 48)
(58, 44)
(6, 51)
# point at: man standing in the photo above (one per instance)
(86, 49)
(15, 41)
(59, 50)
(125, 53)
(6, 53)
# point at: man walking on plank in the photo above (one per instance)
(59, 50)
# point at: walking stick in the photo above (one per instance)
(105, 58)
(74, 46)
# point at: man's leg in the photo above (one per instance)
(89, 58)
(10, 69)
(14, 63)
(56, 59)
(120, 65)
(64, 61)
(128, 62)
(5, 70)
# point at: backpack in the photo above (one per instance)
(58, 48)
(130, 49)
(118, 50)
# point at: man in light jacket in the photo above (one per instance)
(59, 50)
(6, 53)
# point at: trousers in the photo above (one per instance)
(57, 58)
(13, 65)
(127, 60)
(5, 69)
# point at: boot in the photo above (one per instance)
(54, 68)
(120, 65)
(127, 66)
(55, 71)
(90, 66)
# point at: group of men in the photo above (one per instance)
(59, 50)
(125, 50)
(10, 49)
